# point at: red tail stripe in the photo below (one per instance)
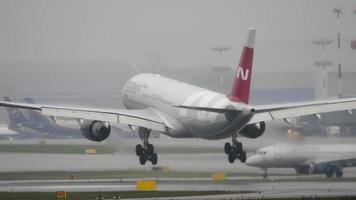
(241, 88)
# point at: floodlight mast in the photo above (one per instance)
(220, 49)
(322, 43)
(337, 10)
(323, 64)
(155, 60)
(221, 69)
(353, 42)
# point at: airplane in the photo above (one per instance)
(181, 110)
(305, 159)
(32, 123)
(35, 124)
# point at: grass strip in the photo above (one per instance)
(107, 195)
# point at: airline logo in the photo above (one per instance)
(242, 74)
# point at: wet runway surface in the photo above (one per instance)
(255, 189)
(80, 162)
(281, 182)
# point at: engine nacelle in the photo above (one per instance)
(253, 130)
(96, 131)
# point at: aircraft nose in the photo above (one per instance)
(253, 160)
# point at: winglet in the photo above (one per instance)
(241, 89)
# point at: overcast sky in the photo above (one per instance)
(181, 31)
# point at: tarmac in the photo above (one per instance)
(282, 183)
(264, 189)
(18, 162)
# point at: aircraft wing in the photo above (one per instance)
(147, 118)
(286, 111)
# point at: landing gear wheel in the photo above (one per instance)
(227, 148)
(139, 150)
(329, 174)
(154, 158)
(146, 151)
(242, 156)
(231, 157)
(143, 159)
(235, 150)
(238, 147)
(150, 149)
(264, 175)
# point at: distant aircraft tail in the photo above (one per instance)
(241, 88)
(16, 116)
(29, 100)
(36, 116)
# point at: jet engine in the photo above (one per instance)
(253, 130)
(96, 131)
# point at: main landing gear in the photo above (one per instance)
(146, 151)
(235, 150)
(331, 172)
(265, 173)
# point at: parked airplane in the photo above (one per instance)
(35, 124)
(305, 159)
(181, 110)
(32, 123)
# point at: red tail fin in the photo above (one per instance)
(241, 89)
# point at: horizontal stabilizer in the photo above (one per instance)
(208, 109)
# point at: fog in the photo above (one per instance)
(81, 52)
(87, 49)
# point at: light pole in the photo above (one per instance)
(221, 69)
(322, 43)
(323, 64)
(221, 49)
(337, 10)
(353, 42)
(155, 61)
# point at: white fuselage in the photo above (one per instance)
(297, 155)
(163, 94)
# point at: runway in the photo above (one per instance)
(265, 189)
(281, 182)
(13, 162)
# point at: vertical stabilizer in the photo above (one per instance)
(16, 116)
(241, 88)
(36, 116)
